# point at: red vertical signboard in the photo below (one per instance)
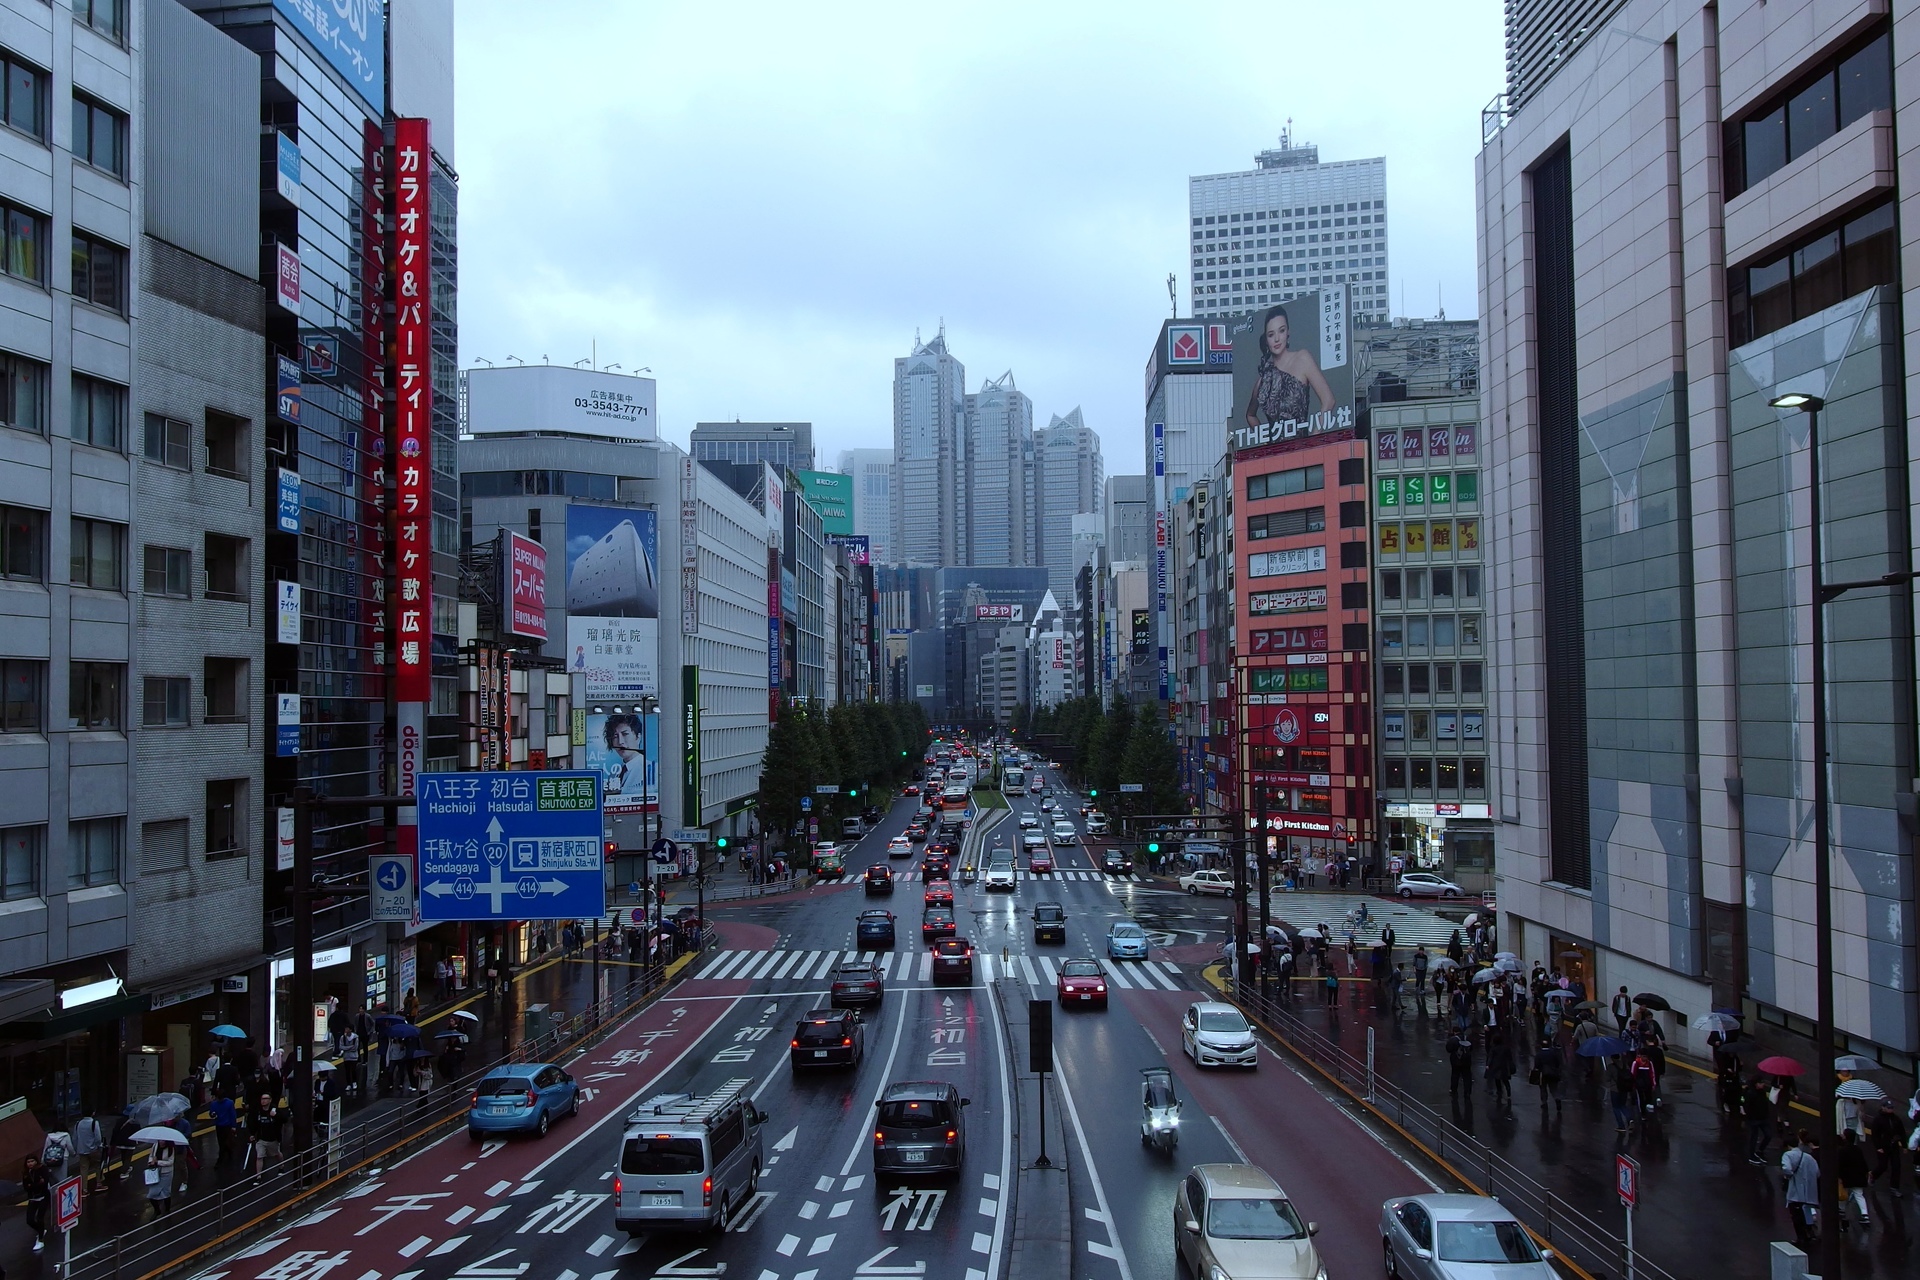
(410, 445)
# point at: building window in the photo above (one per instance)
(27, 233)
(1447, 775)
(25, 96)
(1475, 774)
(226, 825)
(1469, 631)
(1392, 679)
(1282, 524)
(99, 136)
(99, 273)
(167, 572)
(1390, 584)
(1396, 773)
(1813, 274)
(227, 445)
(226, 568)
(1392, 631)
(96, 555)
(1820, 104)
(1353, 595)
(1469, 582)
(20, 852)
(99, 412)
(1353, 515)
(1422, 775)
(23, 399)
(1417, 632)
(1443, 585)
(1353, 471)
(93, 695)
(1353, 555)
(108, 17)
(1466, 486)
(1443, 631)
(1418, 674)
(226, 686)
(1277, 484)
(163, 702)
(1443, 675)
(169, 442)
(23, 544)
(1353, 636)
(93, 852)
(23, 695)
(163, 846)
(1470, 677)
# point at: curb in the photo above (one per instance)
(1040, 1246)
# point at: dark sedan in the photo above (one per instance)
(953, 961)
(937, 923)
(879, 879)
(856, 982)
(1116, 862)
(932, 868)
(873, 931)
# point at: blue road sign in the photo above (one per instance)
(392, 896)
(519, 845)
(806, 804)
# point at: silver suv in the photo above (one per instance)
(919, 1127)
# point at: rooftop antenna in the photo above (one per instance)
(1173, 295)
(1439, 301)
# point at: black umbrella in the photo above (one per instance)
(1648, 1000)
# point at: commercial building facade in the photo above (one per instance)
(996, 521)
(872, 472)
(929, 455)
(786, 446)
(1069, 482)
(1675, 230)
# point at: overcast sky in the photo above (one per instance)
(762, 203)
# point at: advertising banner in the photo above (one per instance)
(773, 630)
(1160, 556)
(525, 588)
(560, 399)
(1301, 600)
(831, 494)
(999, 613)
(1274, 564)
(1293, 372)
(1389, 492)
(287, 169)
(1290, 640)
(613, 601)
(286, 597)
(690, 745)
(286, 382)
(858, 545)
(410, 433)
(287, 502)
(351, 35)
(286, 722)
(774, 491)
(1142, 636)
(689, 546)
(286, 277)
(624, 749)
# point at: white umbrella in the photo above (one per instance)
(470, 1017)
(1443, 963)
(1858, 1090)
(1310, 932)
(1486, 975)
(158, 1133)
(1506, 964)
(321, 1066)
(1854, 1062)
(1720, 1022)
(1505, 955)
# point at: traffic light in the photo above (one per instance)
(1153, 846)
(610, 848)
(720, 842)
(1093, 793)
(853, 792)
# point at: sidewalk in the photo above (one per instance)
(1703, 1210)
(562, 982)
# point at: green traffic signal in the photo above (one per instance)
(1093, 794)
(1153, 846)
(721, 842)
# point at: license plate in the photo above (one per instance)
(1085, 996)
(914, 1157)
(500, 1107)
(819, 1053)
(669, 1200)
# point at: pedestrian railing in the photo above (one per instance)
(191, 1234)
(1570, 1232)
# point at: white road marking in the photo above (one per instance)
(854, 1183)
(821, 1245)
(1046, 966)
(263, 1247)
(449, 1246)
(525, 1187)
(1096, 1215)
(989, 1207)
(793, 958)
(490, 1214)
(605, 1275)
(991, 1181)
(826, 963)
(1103, 1250)
(841, 1209)
(787, 1245)
(631, 1246)
(318, 1216)
(498, 1187)
(721, 963)
(449, 1178)
(1115, 976)
(823, 1183)
(926, 966)
(810, 1210)
(1026, 970)
(419, 1243)
(600, 1246)
(1238, 1153)
(764, 967)
(982, 1242)
(886, 1074)
(1093, 1170)
(568, 1275)
(460, 1215)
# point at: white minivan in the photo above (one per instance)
(688, 1161)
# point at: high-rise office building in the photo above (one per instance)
(1189, 394)
(1069, 480)
(1289, 224)
(872, 472)
(1654, 574)
(1129, 509)
(929, 459)
(996, 523)
(787, 445)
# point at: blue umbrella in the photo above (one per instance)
(1603, 1047)
(227, 1031)
(402, 1031)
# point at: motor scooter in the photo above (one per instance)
(1159, 1110)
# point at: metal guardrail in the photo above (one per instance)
(223, 1219)
(1570, 1232)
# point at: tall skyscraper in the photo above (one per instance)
(787, 445)
(872, 472)
(1069, 479)
(929, 397)
(1291, 223)
(1129, 508)
(997, 520)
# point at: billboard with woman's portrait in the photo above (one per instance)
(1293, 372)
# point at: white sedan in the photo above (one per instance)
(1424, 884)
(899, 847)
(1207, 882)
(1029, 823)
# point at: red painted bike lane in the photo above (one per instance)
(1336, 1172)
(417, 1209)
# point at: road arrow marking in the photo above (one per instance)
(786, 1143)
(481, 1271)
(675, 1268)
(872, 1267)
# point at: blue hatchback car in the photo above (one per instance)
(521, 1097)
(1127, 941)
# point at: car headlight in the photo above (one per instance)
(1216, 1272)
(1321, 1274)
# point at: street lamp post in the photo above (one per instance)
(649, 916)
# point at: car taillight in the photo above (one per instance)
(794, 1044)
(951, 1135)
(846, 1042)
(706, 1192)
(878, 1137)
(474, 1101)
(616, 1191)
(533, 1099)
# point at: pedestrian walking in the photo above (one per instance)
(1500, 1067)
(1332, 984)
(39, 1191)
(1622, 1008)
(1801, 1164)
(159, 1177)
(89, 1144)
(350, 1061)
(1547, 1064)
(1460, 1063)
(225, 1118)
(1396, 983)
(1885, 1136)
(1758, 1109)
(1646, 1091)
(265, 1125)
(1620, 1094)
(1421, 961)
(410, 1008)
(1850, 1167)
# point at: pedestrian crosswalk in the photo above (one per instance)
(1041, 878)
(1413, 926)
(815, 967)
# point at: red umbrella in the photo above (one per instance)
(1779, 1066)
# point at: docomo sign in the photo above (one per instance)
(410, 438)
(526, 587)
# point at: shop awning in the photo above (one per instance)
(24, 995)
(53, 1022)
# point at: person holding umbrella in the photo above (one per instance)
(1886, 1139)
(160, 1176)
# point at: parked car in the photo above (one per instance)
(920, 1127)
(1198, 882)
(856, 982)
(873, 931)
(1424, 884)
(936, 923)
(1049, 922)
(1218, 1035)
(1117, 862)
(953, 961)
(1082, 982)
(827, 1038)
(521, 1097)
(1126, 941)
(879, 879)
(1454, 1237)
(1235, 1220)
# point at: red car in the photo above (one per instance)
(940, 893)
(1040, 859)
(1082, 982)
(911, 789)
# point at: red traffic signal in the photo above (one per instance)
(610, 848)
(1349, 840)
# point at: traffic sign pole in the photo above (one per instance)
(1626, 1179)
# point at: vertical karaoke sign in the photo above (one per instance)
(410, 606)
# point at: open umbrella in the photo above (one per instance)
(1602, 1047)
(1486, 975)
(451, 1035)
(1591, 1005)
(161, 1108)
(321, 1066)
(1861, 1091)
(469, 1016)
(227, 1031)
(1779, 1065)
(1505, 955)
(421, 1054)
(1715, 1022)
(158, 1133)
(402, 1031)
(1648, 1000)
(1506, 964)
(1311, 932)
(1443, 963)
(1854, 1062)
